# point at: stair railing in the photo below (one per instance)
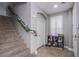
(25, 27)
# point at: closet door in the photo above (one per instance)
(75, 31)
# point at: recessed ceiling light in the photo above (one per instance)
(55, 6)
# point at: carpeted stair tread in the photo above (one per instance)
(11, 43)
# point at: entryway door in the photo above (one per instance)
(75, 38)
(75, 35)
(40, 30)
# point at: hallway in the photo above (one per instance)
(53, 52)
(25, 27)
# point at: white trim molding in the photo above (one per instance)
(70, 49)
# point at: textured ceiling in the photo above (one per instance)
(49, 9)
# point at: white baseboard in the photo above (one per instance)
(70, 49)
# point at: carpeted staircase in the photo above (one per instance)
(11, 44)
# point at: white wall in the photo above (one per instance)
(67, 27)
(34, 11)
(24, 11)
(56, 24)
(3, 8)
(28, 12)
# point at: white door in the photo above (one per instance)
(40, 30)
(75, 41)
(74, 31)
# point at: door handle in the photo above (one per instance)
(75, 36)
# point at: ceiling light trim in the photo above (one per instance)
(55, 6)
